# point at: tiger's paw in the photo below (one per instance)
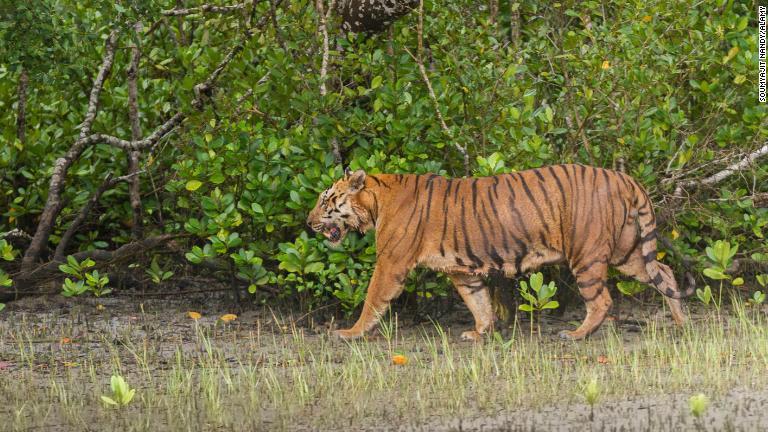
(347, 334)
(472, 336)
(570, 335)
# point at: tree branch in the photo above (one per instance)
(50, 269)
(53, 203)
(107, 184)
(98, 84)
(323, 18)
(206, 8)
(716, 178)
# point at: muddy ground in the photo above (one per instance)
(49, 345)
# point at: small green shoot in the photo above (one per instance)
(122, 394)
(758, 297)
(6, 251)
(97, 283)
(591, 393)
(84, 281)
(720, 257)
(73, 288)
(76, 269)
(698, 404)
(630, 288)
(157, 274)
(543, 295)
(705, 295)
(5, 280)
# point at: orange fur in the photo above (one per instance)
(585, 217)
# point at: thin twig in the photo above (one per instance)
(21, 110)
(134, 186)
(278, 33)
(444, 126)
(206, 8)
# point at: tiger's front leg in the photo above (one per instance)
(386, 284)
(475, 294)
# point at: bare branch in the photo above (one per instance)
(514, 22)
(107, 184)
(98, 84)
(493, 8)
(53, 203)
(323, 17)
(206, 8)
(323, 26)
(50, 270)
(420, 63)
(134, 186)
(716, 178)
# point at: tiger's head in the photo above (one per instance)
(339, 208)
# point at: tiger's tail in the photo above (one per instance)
(661, 276)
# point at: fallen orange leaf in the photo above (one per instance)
(194, 315)
(399, 360)
(602, 359)
(228, 317)
(65, 340)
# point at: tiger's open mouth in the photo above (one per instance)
(332, 232)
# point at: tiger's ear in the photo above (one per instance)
(347, 173)
(356, 180)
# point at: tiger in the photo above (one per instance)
(584, 217)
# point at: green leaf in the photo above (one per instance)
(314, 267)
(108, 401)
(526, 308)
(552, 304)
(537, 280)
(376, 82)
(193, 185)
(714, 274)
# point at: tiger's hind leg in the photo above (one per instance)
(475, 294)
(635, 268)
(592, 281)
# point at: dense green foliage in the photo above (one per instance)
(663, 88)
